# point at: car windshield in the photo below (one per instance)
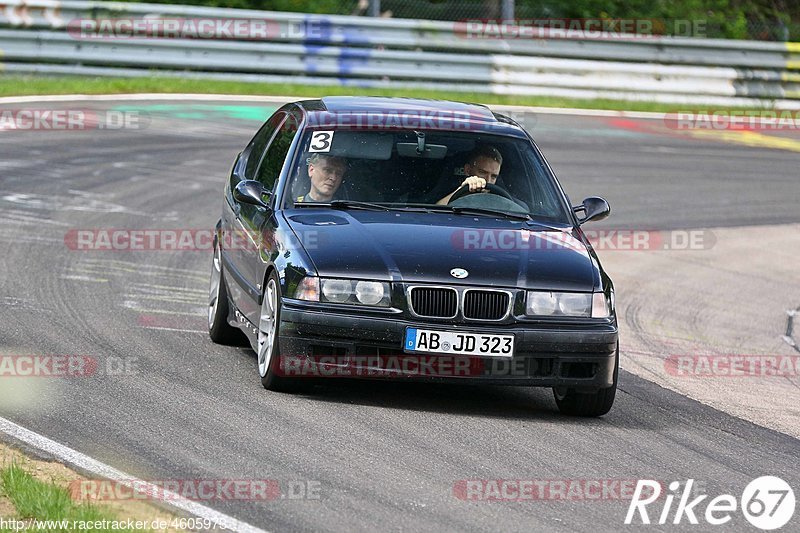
(406, 169)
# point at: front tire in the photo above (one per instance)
(268, 351)
(218, 328)
(588, 404)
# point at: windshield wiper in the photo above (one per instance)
(431, 208)
(477, 211)
(490, 212)
(344, 204)
(531, 220)
(355, 204)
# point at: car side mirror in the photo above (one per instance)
(250, 192)
(594, 208)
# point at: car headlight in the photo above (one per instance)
(337, 290)
(371, 292)
(594, 305)
(344, 291)
(541, 303)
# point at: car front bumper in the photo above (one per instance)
(320, 343)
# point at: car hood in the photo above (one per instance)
(425, 247)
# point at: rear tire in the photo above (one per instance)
(218, 328)
(267, 349)
(589, 404)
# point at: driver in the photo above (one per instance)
(326, 173)
(482, 167)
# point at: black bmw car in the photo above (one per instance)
(393, 238)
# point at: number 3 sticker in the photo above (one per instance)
(321, 141)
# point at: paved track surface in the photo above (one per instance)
(385, 456)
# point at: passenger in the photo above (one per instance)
(326, 173)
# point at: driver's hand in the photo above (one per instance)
(475, 183)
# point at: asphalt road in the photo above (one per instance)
(385, 456)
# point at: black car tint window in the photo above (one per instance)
(544, 196)
(259, 143)
(410, 180)
(276, 153)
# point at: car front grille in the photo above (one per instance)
(434, 302)
(485, 305)
(443, 302)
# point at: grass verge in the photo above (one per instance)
(36, 490)
(43, 501)
(41, 85)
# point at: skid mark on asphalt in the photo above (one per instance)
(22, 304)
(83, 278)
(170, 322)
(66, 202)
(27, 218)
(142, 292)
(169, 299)
(134, 305)
(142, 269)
(161, 297)
(11, 165)
(23, 226)
(20, 226)
(16, 237)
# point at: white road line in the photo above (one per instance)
(87, 464)
(285, 99)
(174, 329)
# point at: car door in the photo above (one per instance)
(238, 233)
(261, 223)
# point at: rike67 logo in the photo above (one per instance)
(767, 502)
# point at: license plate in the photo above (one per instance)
(454, 342)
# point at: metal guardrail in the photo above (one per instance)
(44, 36)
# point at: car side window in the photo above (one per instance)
(542, 195)
(273, 160)
(260, 142)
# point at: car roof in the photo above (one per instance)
(469, 117)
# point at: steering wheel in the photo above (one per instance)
(491, 188)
